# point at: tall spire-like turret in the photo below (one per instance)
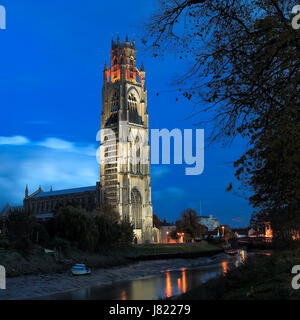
(26, 191)
(126, 185)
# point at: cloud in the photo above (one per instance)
(55, 143)
(67, 146)
(51, 143)
(15, 140)
(157, 173)
(54, 161)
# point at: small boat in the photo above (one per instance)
(232, 252)
(80, 270)
(48, 251)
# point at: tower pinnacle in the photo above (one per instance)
(125, 174)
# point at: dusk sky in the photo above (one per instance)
(52, 58)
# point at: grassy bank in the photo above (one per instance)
(40, 263)
(165, 251)
(263, 277)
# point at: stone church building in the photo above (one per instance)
(124, 150)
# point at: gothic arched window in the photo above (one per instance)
(132, 102)
(136, 201)
(115, 102)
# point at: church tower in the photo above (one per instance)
(125, 149)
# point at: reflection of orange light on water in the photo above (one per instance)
(183, 280)
(224, 267)
(295, 235)
(123, 295)
(168, 285)
(179, 284)
(243, 255)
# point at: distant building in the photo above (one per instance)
(167, 230)
(210, 222)
(251, 232)
(241, 232)
(44, 204)
(264, 231)
(165, 233)
(156, 238)
(213, 234)
(41, 202)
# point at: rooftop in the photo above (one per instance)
(65, 191)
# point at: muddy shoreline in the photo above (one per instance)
(38, 286)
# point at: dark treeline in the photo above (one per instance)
(71, 227)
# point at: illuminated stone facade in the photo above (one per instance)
(125, 150)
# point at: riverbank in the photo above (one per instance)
(264, 277)
(41, 263)
(40, 286)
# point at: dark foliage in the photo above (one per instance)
(89, 231)
(189, 224)
(156, 221)
(245, 73)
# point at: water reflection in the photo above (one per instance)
(123, 297)
(179, 285)
(166, 284)
(224, 267)
(241, 257)
(183, 280)
(242, 253)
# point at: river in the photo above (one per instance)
(167, 283)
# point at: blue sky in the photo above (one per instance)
(52, 57)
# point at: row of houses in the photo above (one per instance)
(166, 230)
